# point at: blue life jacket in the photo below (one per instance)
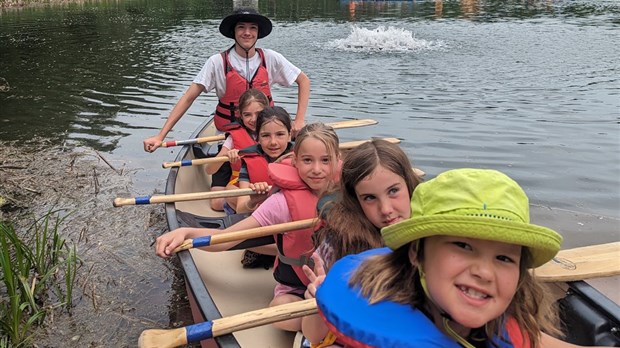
(384, 324)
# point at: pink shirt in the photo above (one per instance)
(229, 143)
(273, 211)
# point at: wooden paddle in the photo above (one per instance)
(223, 326)
(588, 264)
(419, 172)
(335, 125)
(180, 197)
(245, 234)
(352, 144)
(196, 196)
(594, 261)
(221, 159)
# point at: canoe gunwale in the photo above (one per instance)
(199, 291)
(596, 299)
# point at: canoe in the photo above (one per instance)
(218, 286)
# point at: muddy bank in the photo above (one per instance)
(122, 288)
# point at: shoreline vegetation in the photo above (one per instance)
(38, 274)
(75, 271)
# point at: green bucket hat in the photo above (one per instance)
(474, 203)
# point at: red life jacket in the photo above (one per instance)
(235, 86)
(517, 337)
(256, 162)
(257, 167)
(295, 247)
(241, 140)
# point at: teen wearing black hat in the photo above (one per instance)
(237, 69)
(232, 72)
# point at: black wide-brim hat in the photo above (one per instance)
(247, 15)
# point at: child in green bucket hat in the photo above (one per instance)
(456, 275)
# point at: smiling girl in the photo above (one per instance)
(312, 171)
(375, 191)
(456, 273)
(273, 134)
(251, 103)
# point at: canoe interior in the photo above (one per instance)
(230, 289)
(219, 286)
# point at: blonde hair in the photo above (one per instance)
(326, 135)
(347, 229)
(395, 277)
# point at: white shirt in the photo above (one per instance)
(212, 75)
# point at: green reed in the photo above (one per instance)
(35, 272)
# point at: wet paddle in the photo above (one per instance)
(223, 326)
(180, 197)
(221, 159)
(335, 125)
(592, 261)
(245, 234)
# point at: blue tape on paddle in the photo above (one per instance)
(201, 241)
(143, 200)
(185, 163)
(199, 332)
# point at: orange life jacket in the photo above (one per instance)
(517, 337)
(241, 140)
(257, 167)
(235, 86)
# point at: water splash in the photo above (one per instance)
(383, 40)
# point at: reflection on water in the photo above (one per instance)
(528, 87)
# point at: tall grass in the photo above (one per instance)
(38, 275)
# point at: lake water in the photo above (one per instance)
(530, 88)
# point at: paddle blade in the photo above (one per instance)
(419, 172)
(594, 261)
(162, 338)
(352, 144)
(352, 123)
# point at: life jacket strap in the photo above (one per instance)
(303, 260)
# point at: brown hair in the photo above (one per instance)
(273, 113)
(395, 277)
(347, 229)
(248, 97)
